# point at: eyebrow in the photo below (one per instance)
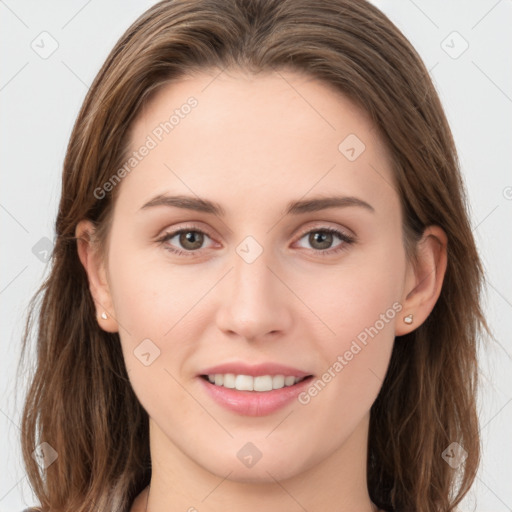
(292, 208)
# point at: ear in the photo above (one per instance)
(97, 275)
(424, 280)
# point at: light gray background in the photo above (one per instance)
(40, 98)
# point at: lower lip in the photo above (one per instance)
(254, 403)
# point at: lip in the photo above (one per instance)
(255, 403)
(239, 368)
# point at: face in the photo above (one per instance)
(312, 288)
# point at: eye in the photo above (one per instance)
(322, 238)
(191, 239)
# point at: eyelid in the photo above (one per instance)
(191, 226)
(325, 225)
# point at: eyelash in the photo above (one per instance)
(346, 239)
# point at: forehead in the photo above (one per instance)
(283, 101)
(265, 137)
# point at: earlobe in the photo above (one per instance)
(424, 280)
(96, 274)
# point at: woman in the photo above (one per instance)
(197, 350)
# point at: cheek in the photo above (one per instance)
(361, 306)
(151, 301)
(353, 297)
(149, 294)
(160, 302)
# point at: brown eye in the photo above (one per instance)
(320, 240)
(191, 240)
(187, 241)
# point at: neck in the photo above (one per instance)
(334, 483)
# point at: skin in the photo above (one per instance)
(252, 144)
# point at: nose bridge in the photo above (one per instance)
(255, 303)
(254, 283)
(251, 273)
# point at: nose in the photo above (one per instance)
(254, 302)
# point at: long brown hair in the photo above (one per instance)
(80, 400)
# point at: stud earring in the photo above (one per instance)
(104, 315)
(408, 319)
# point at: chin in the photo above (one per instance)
(265, 471)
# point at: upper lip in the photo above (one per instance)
(240, 368)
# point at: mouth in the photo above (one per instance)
(259, 383)
(254, 390)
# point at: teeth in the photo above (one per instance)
(249, 383)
